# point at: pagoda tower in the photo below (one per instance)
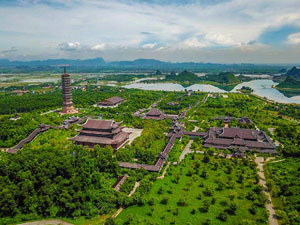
(68, 107)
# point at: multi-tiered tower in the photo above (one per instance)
(68, 107)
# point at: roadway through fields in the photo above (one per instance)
(47, 222)
(262, 181)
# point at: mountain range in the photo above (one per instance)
(294, 72)
(139, 64)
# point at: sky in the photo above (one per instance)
(218, 31)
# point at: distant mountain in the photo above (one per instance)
(224, 78)
(98, 65)
(138, 63)
(290, 82)
(184, 76)
(54, 62)
(294, 72)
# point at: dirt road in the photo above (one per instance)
(262, 181)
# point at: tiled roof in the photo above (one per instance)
(100, 124)
(154, 112)
(115, 100)
(119, 138)
(239, 133)
(238, 141)
(111, 101)
(115, 131)
(190, 133)
(119, 182)
(233, 138)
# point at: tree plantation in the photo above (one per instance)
(52, 177)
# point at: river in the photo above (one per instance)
(261, 88)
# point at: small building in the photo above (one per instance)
(110, 102)
(155, 114)
(245, 120)
(16, 117)
(189, 93)
(177, 126)
(226, 119)
(119, 182)
(102, 133)
(238, 154)
(172, 103)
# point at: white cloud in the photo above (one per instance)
(220, 39)
(149, 45)
(193, 43)
(127, 27)
(294, 38)
(71, 46)
(98, 47)
(208, 40)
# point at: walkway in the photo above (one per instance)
(165, 171)
(47, 222)
(30, 138)
(137, 184)
(262, 181)
(42, 128)
(205, 98)
(134, 133)
(51, 111)
(187, 150)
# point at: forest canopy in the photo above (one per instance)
(49, 182)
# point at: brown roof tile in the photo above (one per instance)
(100, 124)
(154, 112)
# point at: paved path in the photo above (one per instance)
(165, 171)
(187, 150)
(262, 181)
(137, 184)
(277, 161)
(47, 222)
(51, 111)
(117, 212)
(134, 133)
(205, 98)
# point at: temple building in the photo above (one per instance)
(68, 107)
(155, 114)
(245, 120)
(111, 102)
(172, 103)
(226, 119)
(102, 133)
(238, 139)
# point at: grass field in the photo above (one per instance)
(283, 181)
(221, 191)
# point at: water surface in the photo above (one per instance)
(261, 88)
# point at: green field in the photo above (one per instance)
(221, 186)
(284, 183)
(197, 191)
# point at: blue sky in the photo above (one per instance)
(225, 31)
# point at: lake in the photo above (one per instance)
(261, 88)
